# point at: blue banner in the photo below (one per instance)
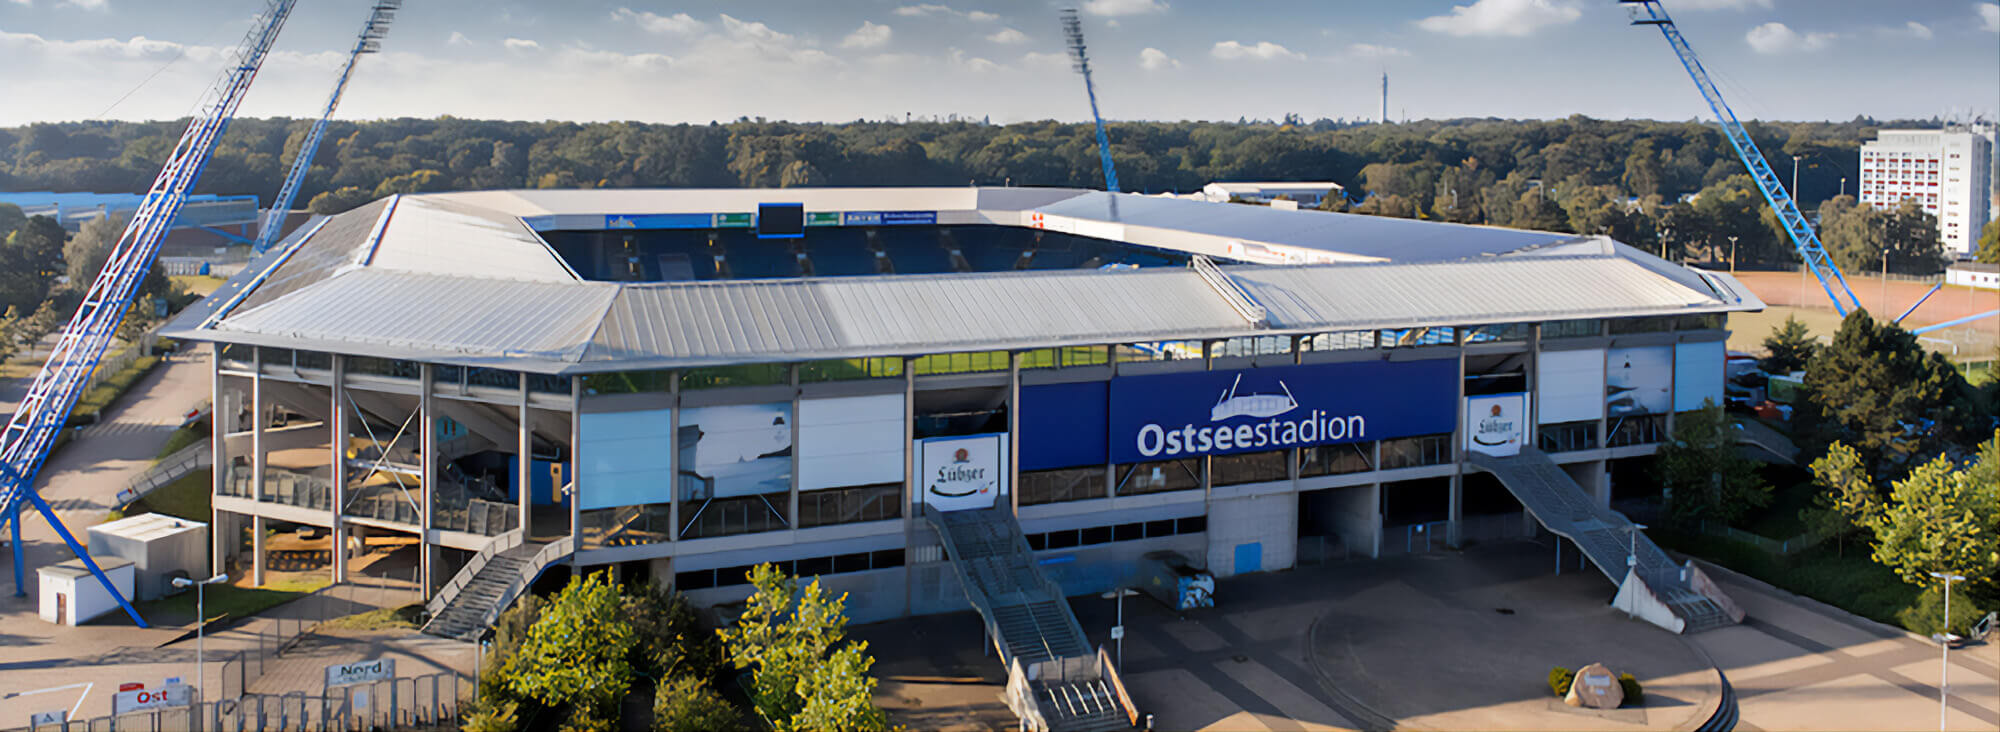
(888, 218)
(1168, 416)
(1063, 425)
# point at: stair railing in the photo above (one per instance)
(1110, 673)
(459, 581)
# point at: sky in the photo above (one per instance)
(840, 60)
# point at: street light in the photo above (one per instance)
(1118, 630)
(200, 618)
(1944, 639)
(1632, 559)
(1732, 251)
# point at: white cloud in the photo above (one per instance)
(1989, 16)
(1124, 7)
(1501, 18)
(457, 39)
(869, 35)
(1008, 36)
(1917, 30)
(1045, 60)
(678, 23)
(747, 41)
(1153, 59)
(521, 44)
(1721, 4)
(27, 3)
(1262, 51)
(980, 16)
(1370, 50)
(929, 9)
(973, 64)
(1776, 38)
(84, 4)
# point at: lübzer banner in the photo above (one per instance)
(1496, 424)
(959, 473)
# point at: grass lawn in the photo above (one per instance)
(1850, 581)
(185, 498)
(182, 438)
(1792, 491)
(231, 601)
(388, 618)
(199, 284)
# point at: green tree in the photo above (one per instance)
(1788, 348)
(31, 250)
(686, 704)
(802, 675)
(1941, 518)
(339, 200)
(1877, 390)
(1705, 475)
(575, 656)
(1989, 243)
(1846, 504)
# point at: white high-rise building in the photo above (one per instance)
(1949, 172)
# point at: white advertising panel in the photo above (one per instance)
(347, 674)
(1496, 424)
(1638, 381)
(1697, 374)
(959, 473)
(738, 450)
(624, 458)
(1571, 385)
(178, 695)
(850, 441)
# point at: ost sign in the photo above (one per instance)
(959, 473)
(177, 695)
(1200, 413)
(1496, 424)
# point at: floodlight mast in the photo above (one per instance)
(370, 41)
(1079, 60)
(25, 443)
(1649, 12)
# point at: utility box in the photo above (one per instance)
(1170, 578)
(1785, 389)
(160, 547)
(71, 596)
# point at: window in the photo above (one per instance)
(1623, 326)
(1353, 457)
(703, 579)
(753, 374)
(1134, 531)
(961, 363)
(880, 502)
(1158, 351)
(627, 382)
(1343, 341)
(1159, 476)
(845, 369)
(1057, 486)
(1251, 346)
(1410, 452)
(1252, 467)
(1568, 436)
(1066, 357)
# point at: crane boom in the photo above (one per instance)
(1080, 61)
(370, 41)
(25, 443)
(1649, 12)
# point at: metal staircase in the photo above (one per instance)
(1055, 681)
(498, 574)
(1606, 537)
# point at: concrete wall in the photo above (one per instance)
(1267, 525)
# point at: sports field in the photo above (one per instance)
(1799, 294)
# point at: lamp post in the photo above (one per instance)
(1118, 630)
(200, 618)
(1732, 246)
(1795, 177)
(1944, 640)
(1632, 564)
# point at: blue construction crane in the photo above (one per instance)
(370, 41)
(32, 430)
(1080, 61)
(1649, 12)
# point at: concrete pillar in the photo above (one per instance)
(220, 404)
(337, 434)
(1375, 510)
(1455, 513)
(674, 457)
(257, 419)
(524, 463)
(575, 461)
(1014, 430)
(257, 551)
(426, 479)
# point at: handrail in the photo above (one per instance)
(1238, 298)
(459, 581)
(1021, 698)
(177, 464)
(1110, 671)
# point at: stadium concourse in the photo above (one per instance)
(926, 396)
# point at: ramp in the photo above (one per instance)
(1606, 537)
(1759, 435)
(1055, 681)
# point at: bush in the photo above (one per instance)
(489, 716)
(1560, 679)
(1634, 693)
(687, 704)
(1925, 616)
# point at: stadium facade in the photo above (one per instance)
(685, 383)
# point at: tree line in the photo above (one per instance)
(1626, 179)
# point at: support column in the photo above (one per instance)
(575, 492)
(257, 551)
(910, 506)
(1014, 430)
(1375, 510)
(1455, 512)
(337, 431)
(257, 420)
(218, 430)
(426, 479)
(674, 456)
(791, 496)
(524, 465)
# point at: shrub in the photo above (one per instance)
(1634, 693)
(1925, 616)
(1559, 680)
(687, 704)
(490, 716)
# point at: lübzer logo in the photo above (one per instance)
(974, 480)
(1497, 424)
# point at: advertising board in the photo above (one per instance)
(347, 674)
(737, 450)
(1496, 424)
(1165, 416)
(138, 700)
(959, 473)
(1639, 381)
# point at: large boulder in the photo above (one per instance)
(1595, 687)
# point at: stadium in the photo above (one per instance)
(916, 394)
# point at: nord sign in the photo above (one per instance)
(1192, 414)
(348, 674)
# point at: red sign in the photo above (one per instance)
(131, 686)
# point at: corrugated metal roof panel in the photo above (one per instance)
(436, 314)
(434, 234)
(329, 249)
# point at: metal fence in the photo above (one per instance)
(1793, 545)
(430, 701)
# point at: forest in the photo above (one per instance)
(1627, 179)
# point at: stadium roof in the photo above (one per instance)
(465, 278)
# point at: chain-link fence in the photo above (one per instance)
(418, 702)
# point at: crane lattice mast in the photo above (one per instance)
(1080, 61)
(1649, 12)
(370, 41)
(25, 443)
